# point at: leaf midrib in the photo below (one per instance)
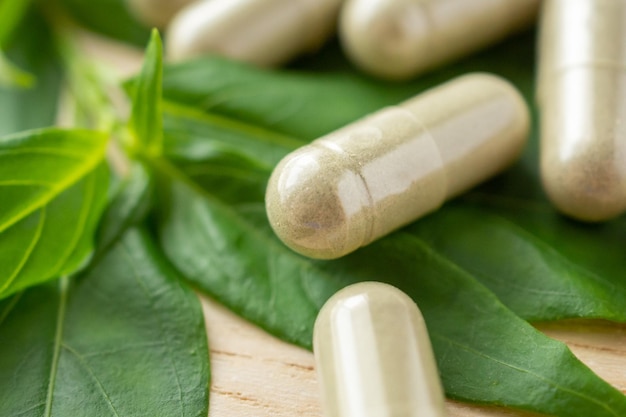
(259, 133)
(434, 253)
(58, 339)
(527, 371)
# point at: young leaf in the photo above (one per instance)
(32, 49)
(53, 187)
(146, 121)
(125, 339)
(232, 254)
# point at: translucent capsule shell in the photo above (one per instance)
(260, 32)
(582, 101)
(373, 355)
(382, 172)
(398, 39)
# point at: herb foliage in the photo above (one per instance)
(97, 316)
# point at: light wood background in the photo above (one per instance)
(256, 375)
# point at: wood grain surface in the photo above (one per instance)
(256, 375)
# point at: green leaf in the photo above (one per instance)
(232, 254)
(540, 265)
(11, 14)
(108, 17)
(129, 206)
(125, 339)
(31, 49)
(310, 104)
(53, 187)
(146, 121)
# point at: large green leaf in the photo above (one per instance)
(310, 104)
(540, 265)
(567, 270)
(126, 339)
(32, 49)
(233, 254)
(53, 188)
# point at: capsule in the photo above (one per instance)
(156, 13)
(398, 39)
(373, 356)
(369, 178)
(261, 32)
(582, 101)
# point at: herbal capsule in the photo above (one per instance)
(261, 32)
(398, 39)
(582, 101)
(369, 178)
(156, 12)
(373, 355)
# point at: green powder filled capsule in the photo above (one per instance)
(382, 172)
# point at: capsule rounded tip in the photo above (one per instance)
(373, 355)
(388, 39)
(590, 187)
(313, 203)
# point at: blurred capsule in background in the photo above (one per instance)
(384, 171)
(373, 355)
(582, 100)
(156, 13)
(399, 39)
(260, 32)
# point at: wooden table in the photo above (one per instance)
(255, 374)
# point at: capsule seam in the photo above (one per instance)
(589, 64)
(444, 172)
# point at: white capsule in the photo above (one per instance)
(582, 101)
(156, 13)
(398, 39)
(373, 355)
(382, 172)
(261, 32)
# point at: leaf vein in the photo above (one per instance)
(91, 373)
(29, 251)
(527, 371)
